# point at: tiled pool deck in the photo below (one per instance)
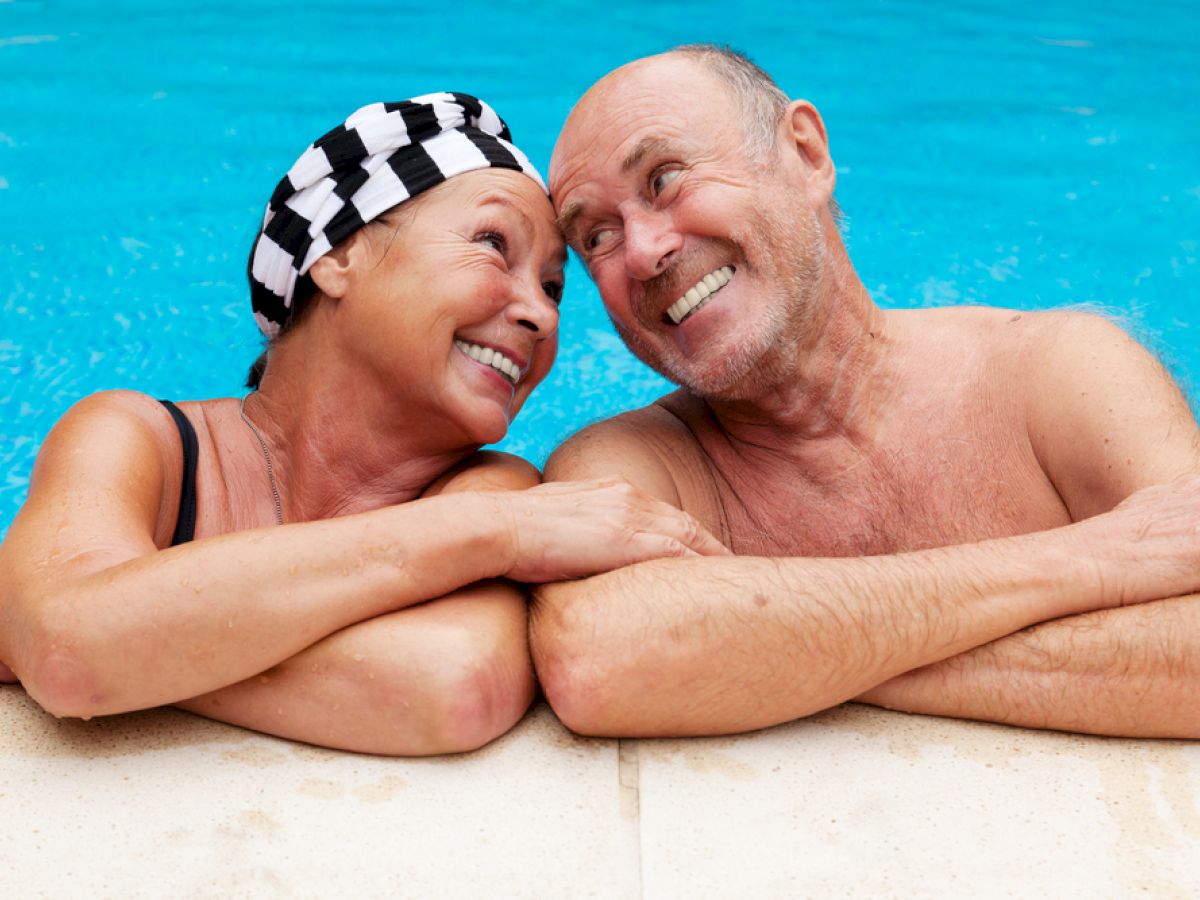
(856, 802)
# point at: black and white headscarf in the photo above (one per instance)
(384, 154)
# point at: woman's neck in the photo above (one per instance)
(338, 444)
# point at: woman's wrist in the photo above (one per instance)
(498, 541)
(473, 535)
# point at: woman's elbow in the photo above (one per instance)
(466, 688)
(50, 660)
(61, 683)
(482, 699)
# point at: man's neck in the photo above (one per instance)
(831, 382)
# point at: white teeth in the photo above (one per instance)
(493, 358)
(699, 292)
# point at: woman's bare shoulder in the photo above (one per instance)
(104, 466)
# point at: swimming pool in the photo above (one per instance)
(1021, 155)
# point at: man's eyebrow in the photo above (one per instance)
(571, 211)
(645, 147)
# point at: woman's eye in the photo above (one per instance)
(660, 179)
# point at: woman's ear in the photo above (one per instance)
(333, 272)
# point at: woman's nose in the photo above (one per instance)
(534, 310)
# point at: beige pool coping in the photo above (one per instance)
(856, 802)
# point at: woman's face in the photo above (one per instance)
(456, 301)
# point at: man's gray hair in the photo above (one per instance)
(761, 100)
(758, 96)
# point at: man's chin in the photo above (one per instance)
(727, 377)
(716, 373)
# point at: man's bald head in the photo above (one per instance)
(754, 94)
(753, 91)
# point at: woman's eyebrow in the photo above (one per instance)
(501, 200)
(522, 218)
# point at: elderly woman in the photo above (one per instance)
(332, 558)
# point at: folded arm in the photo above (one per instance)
(1105, 420)
(713, 646)
(443, 676)
(1132, 672)
(95, 618)
(678, 647)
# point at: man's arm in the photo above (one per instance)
(718, 645)
(1105, 420)
(1131, 672)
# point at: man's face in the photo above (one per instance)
(705, 256)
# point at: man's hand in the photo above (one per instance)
(1154, 541)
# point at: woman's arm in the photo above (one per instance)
(441, 677)
(96, 619)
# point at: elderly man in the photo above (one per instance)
(947, 511)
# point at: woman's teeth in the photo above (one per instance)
(490, 357)
(698, 293)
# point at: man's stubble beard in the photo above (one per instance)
(767, 355)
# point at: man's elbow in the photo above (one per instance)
(579, 680)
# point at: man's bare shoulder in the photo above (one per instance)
(649, 447)
(1101, 414)
(1017, 328)
(1019, 344)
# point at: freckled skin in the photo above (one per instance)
(811, 424)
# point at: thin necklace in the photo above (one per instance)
(267, 457)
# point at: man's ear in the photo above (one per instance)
(333, 272)
(805, 135)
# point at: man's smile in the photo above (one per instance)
(697, 295)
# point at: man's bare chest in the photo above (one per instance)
(896, 503)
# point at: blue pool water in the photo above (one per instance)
(1017, 154)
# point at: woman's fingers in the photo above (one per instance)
(693, 535)
(573, 529)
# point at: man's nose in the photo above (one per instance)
(650, 242)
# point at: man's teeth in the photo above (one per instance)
(699, 292)
(493, 358)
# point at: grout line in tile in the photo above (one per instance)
(629, 785)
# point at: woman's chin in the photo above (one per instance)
(489, 428)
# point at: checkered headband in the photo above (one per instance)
(384, 154)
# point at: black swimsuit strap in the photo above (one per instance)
(185, 525)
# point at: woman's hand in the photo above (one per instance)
(7, 676)
(571, 529)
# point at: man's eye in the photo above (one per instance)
(494, 239)
(596, 238)
(553, 290)
(660, 179)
